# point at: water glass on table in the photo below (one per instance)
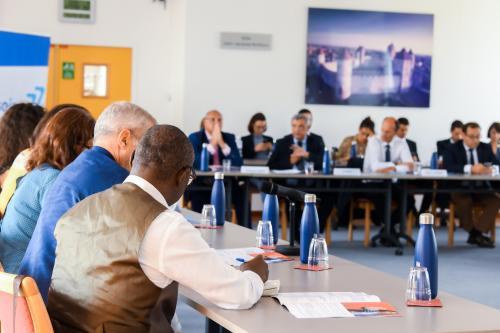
(417, 168)
(318, 253)
(265, 239)
(309, 168)
(418, 287)
(208, 217)
(226, 164)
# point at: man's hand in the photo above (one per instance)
(386, 170)
(480, 169)
(258, 266)
(216, 139)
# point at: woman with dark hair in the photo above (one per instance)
(62, 139)
(18, 168)
(360, 140)
(257, 145)
(494, 136)
(16, 128)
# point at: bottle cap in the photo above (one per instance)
(426, 218)
(204, 145)
(219, 175)
(310, 198)
(326, 148)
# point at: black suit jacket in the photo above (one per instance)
(248, 148)
(280, 157)
(413, 148)
(443, 146)
(455, 157)
(199, 138)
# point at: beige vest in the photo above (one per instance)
(97, 283)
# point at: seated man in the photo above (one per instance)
(120, 250)
(291, 152)
(221, 145)
(116, 133)
(309, 117)
(456, 134)
(404, 126)
(470, 156)
(383, 155)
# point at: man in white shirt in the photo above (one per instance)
(123, 250)
(385, 154)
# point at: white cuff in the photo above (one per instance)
(226, 150)
(467, 169)
(211, 149)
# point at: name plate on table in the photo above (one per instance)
(434, 172)
(254, 169)
(347, 172)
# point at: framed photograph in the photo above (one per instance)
(369, 58)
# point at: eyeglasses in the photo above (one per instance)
(192, 175)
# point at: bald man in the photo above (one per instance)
(384, 154)
(221, 145)
(122, 252)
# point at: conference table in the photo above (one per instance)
(357, 183)
(456, 315)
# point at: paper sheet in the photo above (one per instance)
(322, 304)
(290, 171)
(230, 255)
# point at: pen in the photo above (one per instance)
(241, 260)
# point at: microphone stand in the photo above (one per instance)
(290, 250)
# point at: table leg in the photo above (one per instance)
(387, 208)
(212, 327)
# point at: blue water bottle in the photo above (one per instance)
(204, 158)
(218, 199)
(271, 212)
(309, 225)
(434, 160)
(353, 149)
(426, 254)
(327, 167)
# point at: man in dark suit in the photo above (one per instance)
(291, 152)
(402, 132)
(456, 132)
(220, 145)
(471, 156)
(308, 114)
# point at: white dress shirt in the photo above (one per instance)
(173, 250)
(375, 153)
(226, 150)
(468, 166)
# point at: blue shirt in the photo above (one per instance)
(22, 214)
(92, 171)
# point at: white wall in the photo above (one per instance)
(465, 75)
(143, 25)
(179, 72)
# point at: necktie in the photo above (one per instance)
(216, 156)
(471, 156)
(387, 153)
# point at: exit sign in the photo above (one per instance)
(68, 71)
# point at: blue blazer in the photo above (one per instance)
(199, 138)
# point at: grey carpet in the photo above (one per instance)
(464, 270)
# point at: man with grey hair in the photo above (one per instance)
(292, 152)
(116, 134)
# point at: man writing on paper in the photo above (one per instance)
(384, 154)
(118, 251)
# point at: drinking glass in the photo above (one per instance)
(318, 253)
(265, 239)
(226, 164)
(417, 168)
(208, 218)
(309, 168)
(418, 287)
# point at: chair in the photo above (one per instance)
(476, 211)
(19, 296)
(328, 226)
(367, 206)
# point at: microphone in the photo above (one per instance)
(285, 192)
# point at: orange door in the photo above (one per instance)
(91, 76)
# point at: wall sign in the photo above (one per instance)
(245, 41)
(68, 70)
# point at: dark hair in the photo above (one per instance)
(255, 118)
(367, 123)
(456, 124)
(470, 125)
(495, 126)
(305, 111)
(165, 148)
(16, 128)
(47, 116)
(403, 121)
(62, 139)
